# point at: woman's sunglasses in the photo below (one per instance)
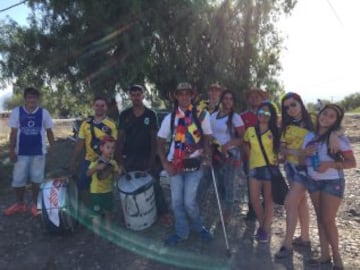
(265, 113)
(293, 105)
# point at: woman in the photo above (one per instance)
(228, 130)
(296, 123)
(326, 181)
(259, 171)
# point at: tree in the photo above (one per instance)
(93, 47)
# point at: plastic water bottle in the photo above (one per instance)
(315, 161)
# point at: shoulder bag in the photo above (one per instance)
(279, 188)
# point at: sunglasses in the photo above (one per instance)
(291, 105)
(262, 112)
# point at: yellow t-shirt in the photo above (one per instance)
(294, 138)
(106, 127)
(104, 185)
(256, 158)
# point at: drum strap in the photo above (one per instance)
(136, 205)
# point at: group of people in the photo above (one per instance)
(191, 139)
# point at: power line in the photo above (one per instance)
(12, 6)
(334, 11)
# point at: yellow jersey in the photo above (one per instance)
(103, 185)
(105, 127)
(256, 158)
(293, 140)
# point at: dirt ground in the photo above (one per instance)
(25, 245)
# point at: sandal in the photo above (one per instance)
(318, 261)
(298, 241)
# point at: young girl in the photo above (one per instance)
(296, 123)
(326, 181)
(227, 127)
(102, 171)
(259, 171)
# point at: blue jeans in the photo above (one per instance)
(84, 180)
(184, 204)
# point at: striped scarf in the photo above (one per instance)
(187, 136)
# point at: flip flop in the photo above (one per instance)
(298, 241)
(317, 261)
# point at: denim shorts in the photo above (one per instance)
(262, 173)
(296, 173)
(28, 167)
(333, 187)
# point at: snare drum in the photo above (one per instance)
(58, 201)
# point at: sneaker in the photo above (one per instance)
(34, 211)
(263, 236)
(166, 220)
(173, 240)
(15, 208)
(283, 253)
(205, 235)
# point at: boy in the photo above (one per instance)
(101, 172)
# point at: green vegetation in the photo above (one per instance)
(73, 50)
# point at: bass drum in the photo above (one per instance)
(58, 200)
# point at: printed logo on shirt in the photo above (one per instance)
(31, 123)
(105, 129)
(147, 121)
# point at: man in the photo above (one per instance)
(90, 133)
(29, 124)
(214, 92)
(189, 152)
(254, 98)
(137, 145)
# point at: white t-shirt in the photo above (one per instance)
(323, 157)
(14, 122)
(220, 128)
(165, 132)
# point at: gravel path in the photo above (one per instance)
(24, 245)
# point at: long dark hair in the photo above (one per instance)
(287, 120)
(229, 122)
(336, 126)
(273, 124)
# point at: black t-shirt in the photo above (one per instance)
(137, 141)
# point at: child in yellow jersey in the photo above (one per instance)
(259, 171)
(102, 171)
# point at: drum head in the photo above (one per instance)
(67, 210)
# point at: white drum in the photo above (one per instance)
(137, 200)
(58, 201)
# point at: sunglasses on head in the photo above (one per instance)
(293, 105)
(265, 113)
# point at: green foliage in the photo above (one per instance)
(76, 49)
(351, 102)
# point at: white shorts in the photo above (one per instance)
(31, 167)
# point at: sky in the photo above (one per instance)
(322, 49)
